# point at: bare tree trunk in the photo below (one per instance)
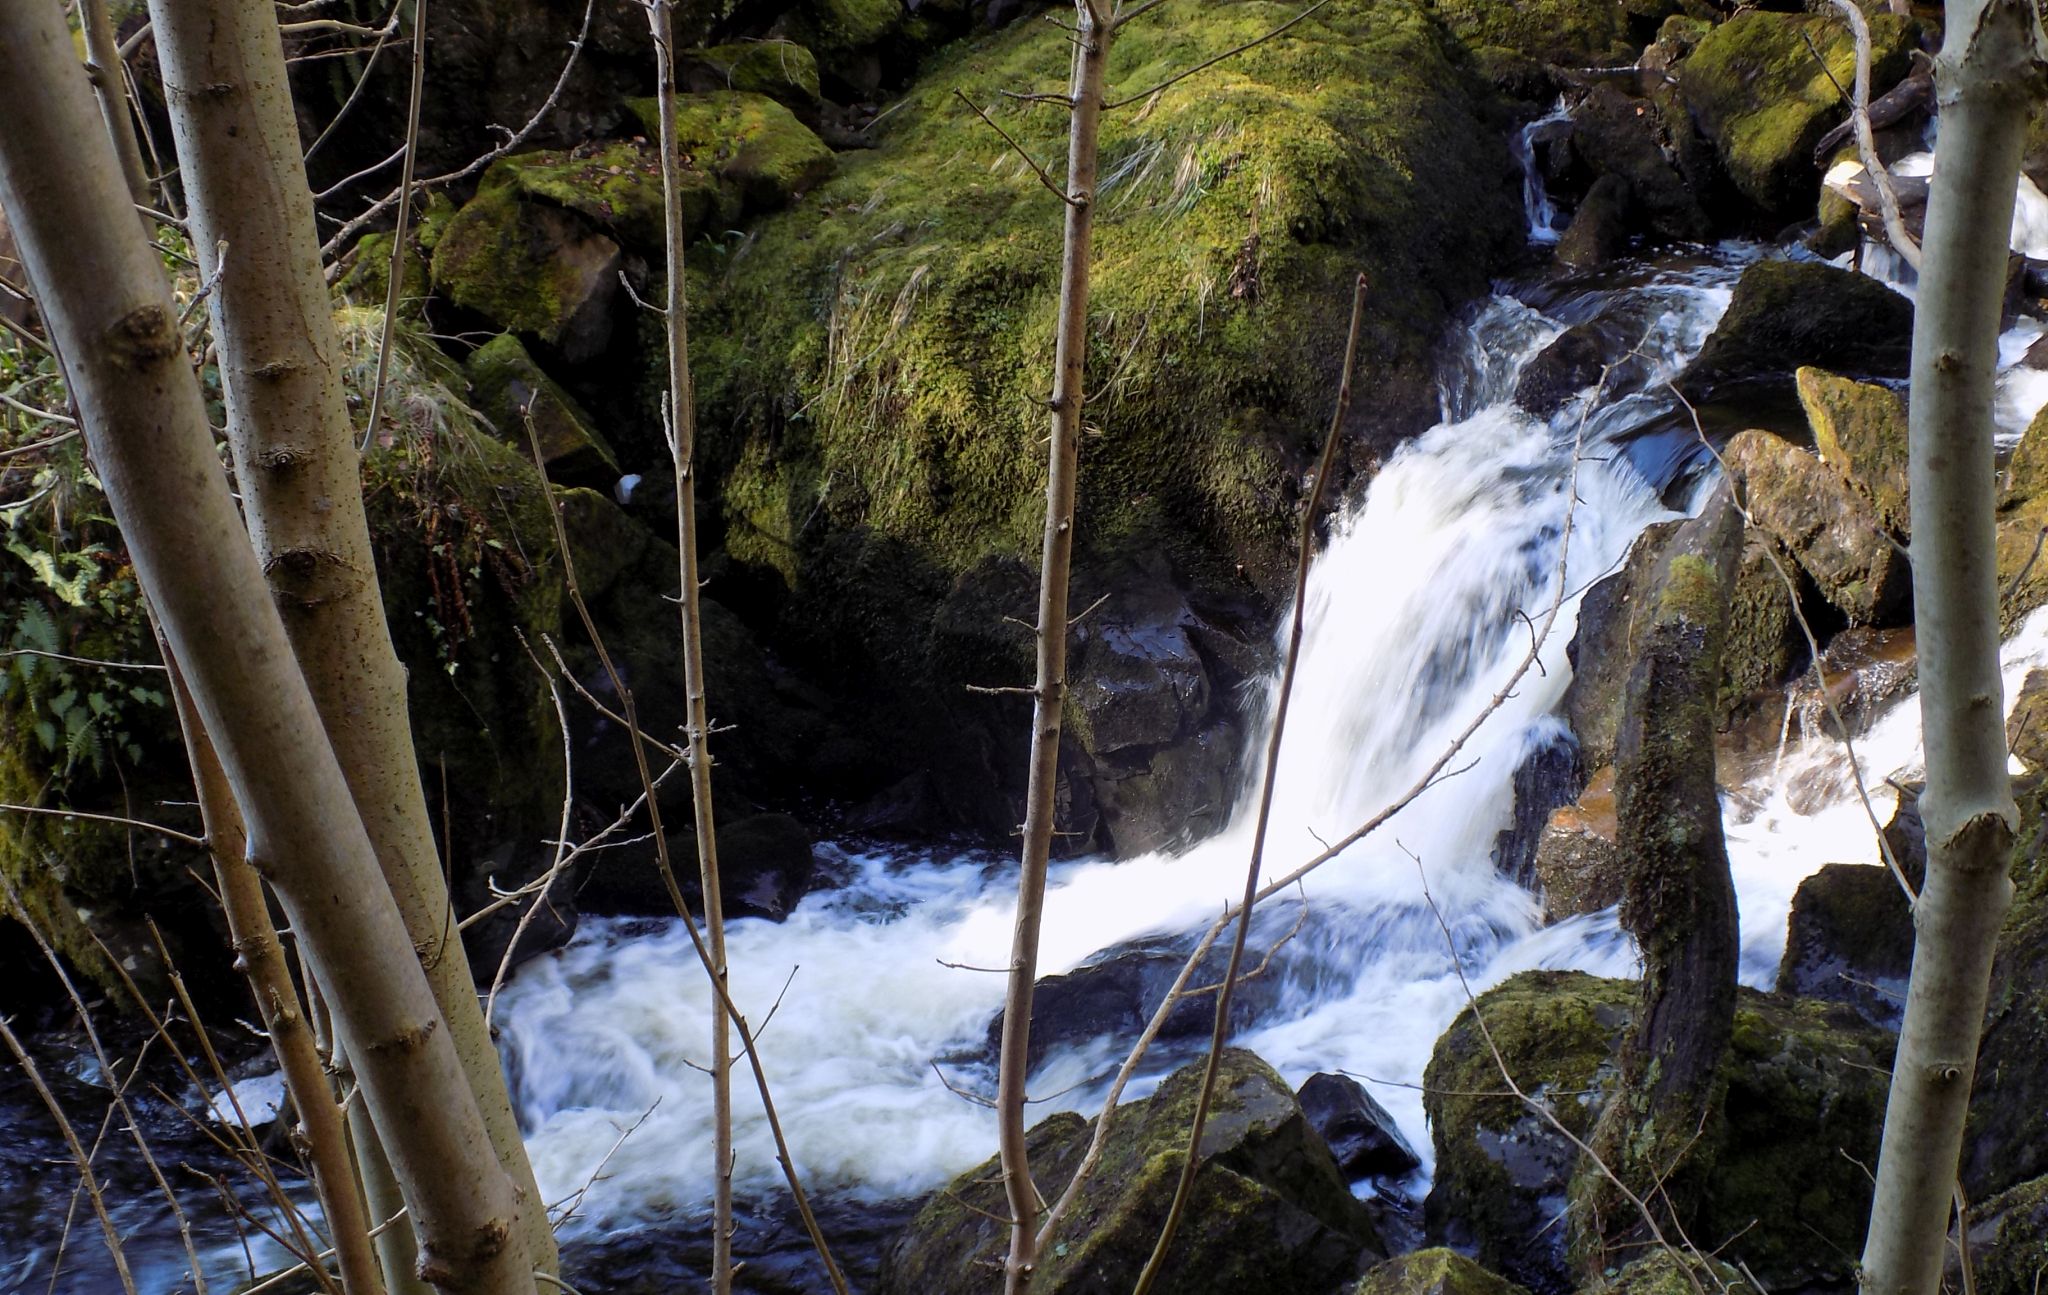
(1091, 57)
(103, 64)
(682, 434)
(260, 957)
(109, 309)
(1987, 79)
(296, 461)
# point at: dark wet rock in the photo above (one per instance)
(1867, 670)
(1549, 777)
(1859, 428)
(1561, 370)
(1115, 996)
(1436, 1271)
(1575, 33)
(1755, 90)
(1850, 940)
(1824, 526)
(1579, 865)
(1270, 1211)
(509, 389)
(1617, 134)
(764, 863)
(1788, 314)
(1600, 227)
(2006, 1142)
(1806, 1083)
(1361, 1135)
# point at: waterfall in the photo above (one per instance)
(1535, 198)
(1415, 615)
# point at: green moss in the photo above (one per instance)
(1436, 1271)
(617, 185)
(1668, 1272)
(870, 361)
(1574, 32)
(1757, 91)
(527, 268)
(749, 141)
(844, 26)
(1860, 430)
(783, 70)
(2011, 1259)
(509, 389)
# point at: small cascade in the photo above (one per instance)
(1542, 214)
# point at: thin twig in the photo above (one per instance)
(1039, 171)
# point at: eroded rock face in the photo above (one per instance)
(1806, 1081)
(1270, 1211)
(1824, 526)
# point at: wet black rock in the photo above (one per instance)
(1786, 314)
(1561, 370)
(1362, 1135)
(1850, 940)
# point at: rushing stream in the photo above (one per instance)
(1428, 594)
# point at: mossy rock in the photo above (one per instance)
(1577, 33)
(366, 269)
(1435, 1271)
(530, 267)
(783, 70)
(1270, 1211)
(2007, 1139)
(750, 142)
(2009, 1240)
(1671, 1272)
(509, 389)
(1766, 646)
(1860, 430)
(617, 186)
(839, 27)
(1788, 314)
(2023, 525)
(1828, 529)
(1618, 134)
(1756, 90)
(874, 355)
(1806, 1082)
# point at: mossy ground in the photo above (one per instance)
(1571, 32)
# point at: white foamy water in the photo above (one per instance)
(1414, 620)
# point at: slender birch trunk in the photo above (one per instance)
(103, 64)
(109, 310)
(1091, 57)
(260, 957)
(682, 434)
(1987, 80)
(296, 461)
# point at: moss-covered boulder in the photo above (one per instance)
(2007, 1139)
(2009, 1241)
(1577, 33)
(1789, 314)
(1860, 430)
(1634, 139)
(780, 69)
(530, 268)
(1600, 227)
(752, 144)
(1805, 1083)
(1270, 1211)
(868, 363)
(1766, 645)
(509, 389)
(1672, 1272)
(1435, 1271)
(1824, 526)
(1756, 90)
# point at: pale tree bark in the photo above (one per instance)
(1987, 80)
(259, 956)
(109, 309)
(296, 461)
(1091, 42)
(682, 434)
(103, 64)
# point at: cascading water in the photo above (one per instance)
(1415, 618)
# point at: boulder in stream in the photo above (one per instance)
(1361, 1134)
(1271, 1211)
(1786, 314)
(1824, 526)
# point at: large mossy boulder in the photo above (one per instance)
(1806, 1084)
(1822, 524)
(1435, 1271)
(1755, 89)
(1633, 139)
(783, 70)
(531, 268)
(1789, 314)
(1576, 33)
(872, 364)
(510, 390)
(1270, 1211)
(2009, 1241)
